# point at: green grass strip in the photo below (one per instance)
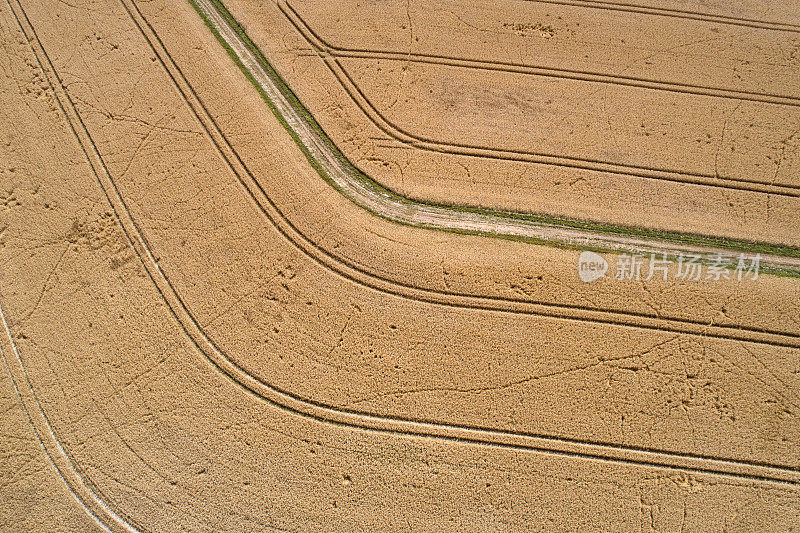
(736, 245)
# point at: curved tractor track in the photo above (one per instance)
(314, 410)
(351, 272)
(363, 191)
(676, 13)
(331, 55)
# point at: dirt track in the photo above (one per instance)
(414, 213)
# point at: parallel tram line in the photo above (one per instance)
(675, 13)
(332, 54)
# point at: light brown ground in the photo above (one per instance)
(173, 444)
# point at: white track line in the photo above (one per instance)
(77, 485)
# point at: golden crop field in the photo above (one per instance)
(282, 265)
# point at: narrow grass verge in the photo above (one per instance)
(735, 245)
